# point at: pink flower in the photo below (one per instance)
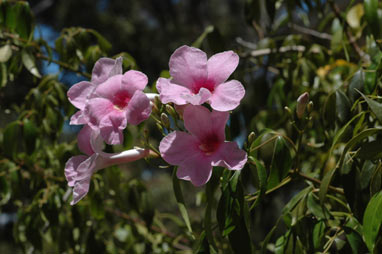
(197, 80)
(111, 100)
(78, 94)
(118, 101)
(204, 147)
(79, 169)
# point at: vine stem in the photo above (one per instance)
(63, 65)
(318, 182)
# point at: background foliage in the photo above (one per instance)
(312, 184)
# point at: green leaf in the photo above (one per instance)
(180, 200)
(29, 63)
(314, 207)
(366, 174)
(356, 83)
(342, 106)
(19, 18)
(261, 174)
(354, 16)
(355, 240)
(372, 220)
(373, 18)
(375, 107)
(318, 234)
(4, 75)
(5, 53)
(329, 175)
(11, 139)
(342, 131)
(281, 163)
(30, 133)
(376, 180)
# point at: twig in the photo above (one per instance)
(311, 32)
(318, 182)
(63, 65)
(284, 49)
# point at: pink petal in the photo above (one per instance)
(105, 68)
(177, 147)
(227, 96)
(84, 171)
(220, 66)
(170, 92)
(79, 92)
(71, 166)
(197, 99)
(96, 141)
(230, 156)
(201, 122)
(134, 80)
(84, 140)
(112, 127)
(188, 65)
(78, 118)
(109, 88)
(96, 110)
(138, 109)
(196, 169)
(80, 189)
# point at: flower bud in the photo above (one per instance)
(302, 101)
(251, 138)
(165, 121)
(171, 111)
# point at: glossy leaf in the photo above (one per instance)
(372, 220)
(376, 107)
(5, 53)
(373, 18)
(29, 63)
(281, 163)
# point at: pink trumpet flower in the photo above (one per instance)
(111, 100)
(116, 102)
(203, 147)
(78, 94)
(196, 80)
(79, 169)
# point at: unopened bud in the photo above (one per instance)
(170, 110)
(165, 121)
(302, 101)
(251, 138)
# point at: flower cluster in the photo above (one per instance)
(106, 104)
(111, 100)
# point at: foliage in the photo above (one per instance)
(312, 183)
